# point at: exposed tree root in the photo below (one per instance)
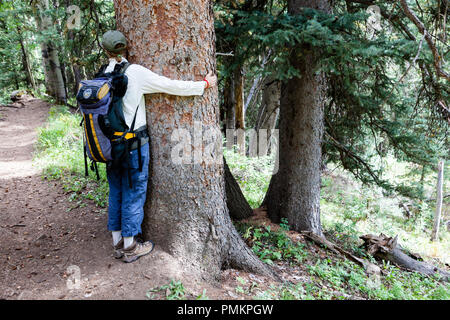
(368, 266)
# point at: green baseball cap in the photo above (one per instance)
(114, 41)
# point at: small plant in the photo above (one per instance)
(202, 296)
(284, 224)
(272, 246)
(173, 291)
(245, 287)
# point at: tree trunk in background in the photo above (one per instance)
(294, 191)
(238, 82)
(270, 106)
(186, 213)
(26, 62)
(228, 98)
(253, 93)
(75, 55)
(54, 81)
(76, 70)
(237, 204)
(439, 197)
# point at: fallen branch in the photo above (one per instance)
(368, 266)
(386, 248)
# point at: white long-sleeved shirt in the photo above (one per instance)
(143, 81)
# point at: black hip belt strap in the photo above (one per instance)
(142, 138)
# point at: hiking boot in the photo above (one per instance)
(137, 250)
(118, 249)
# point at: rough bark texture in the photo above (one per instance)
(26, 61)
(186, 213)
(236, 202)
(294, 191)
(239, 107)
(439, 194)
(76, 69)
(228, 98)
(54, 82)
(270, 106)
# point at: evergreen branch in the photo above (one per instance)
(354, 156)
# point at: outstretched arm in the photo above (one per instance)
(151, 82)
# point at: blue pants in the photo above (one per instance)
(126, 205)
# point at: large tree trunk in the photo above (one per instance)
(186, 213)
(54, 81)
(294, 191)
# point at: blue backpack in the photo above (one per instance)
(107, 138)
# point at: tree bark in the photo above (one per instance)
(54, 81)
(294, 191)
(228, 98)
(26, 61)
(77, 77)
(270, 106)
(237, 204)
(186, 212)
(437, 216)
(239, 107)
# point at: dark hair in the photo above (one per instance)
(115, 54)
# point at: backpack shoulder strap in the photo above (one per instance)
(125, 67)
(101, 70)
(120, 68)
(122, 71)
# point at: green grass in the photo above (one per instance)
(60, 155)
(272, 246)
(348, 277)
(348, 210)
(333, 278)
(174, 290)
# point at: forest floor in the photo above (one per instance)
(46, 241)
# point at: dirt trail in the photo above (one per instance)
(18, 132)
(42, 241)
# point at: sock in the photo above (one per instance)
(117, 235)
(128, 241)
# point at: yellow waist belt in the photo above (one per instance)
(127, 136)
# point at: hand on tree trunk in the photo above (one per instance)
(210, 80)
